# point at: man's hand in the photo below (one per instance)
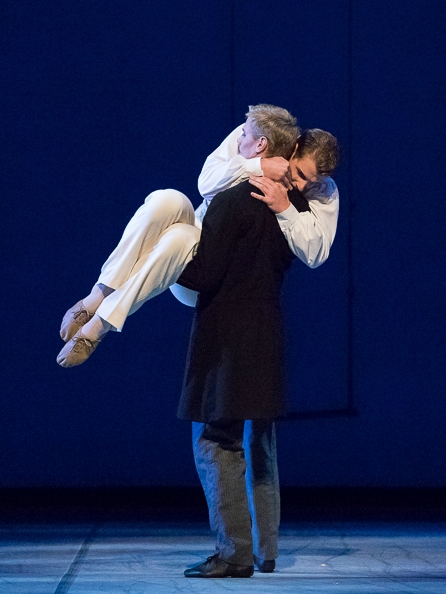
(277, 169)
(275, 194)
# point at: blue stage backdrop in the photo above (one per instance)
(106, 101)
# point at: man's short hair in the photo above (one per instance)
(277, 125)
(322, 146)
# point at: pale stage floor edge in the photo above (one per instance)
(150, 557)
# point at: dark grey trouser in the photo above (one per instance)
(236, 462)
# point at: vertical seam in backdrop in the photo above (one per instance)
(350, 209)
(232, 65)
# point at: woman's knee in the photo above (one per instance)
(170, 202)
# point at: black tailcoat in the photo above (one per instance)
(234, 367)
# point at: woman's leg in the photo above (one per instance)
(161, 209)
(153, 273)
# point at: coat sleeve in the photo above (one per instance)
(222, 226)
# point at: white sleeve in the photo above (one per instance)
(225, 168)
(310, 235)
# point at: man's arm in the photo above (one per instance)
(225, 168)
(310, 235)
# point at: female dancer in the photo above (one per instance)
(162, 236)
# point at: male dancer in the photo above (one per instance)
(233, 387)
(160, 238)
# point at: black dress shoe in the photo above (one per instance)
(267, 566)
(214, 567)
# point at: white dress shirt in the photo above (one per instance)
(309, 234)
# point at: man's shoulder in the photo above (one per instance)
(242, 189)
(325, 191)
(236, 196)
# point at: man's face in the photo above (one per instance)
(248, 146)
(303, 170)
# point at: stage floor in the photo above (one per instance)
(149, 557)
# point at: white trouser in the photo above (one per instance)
(154, 249)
